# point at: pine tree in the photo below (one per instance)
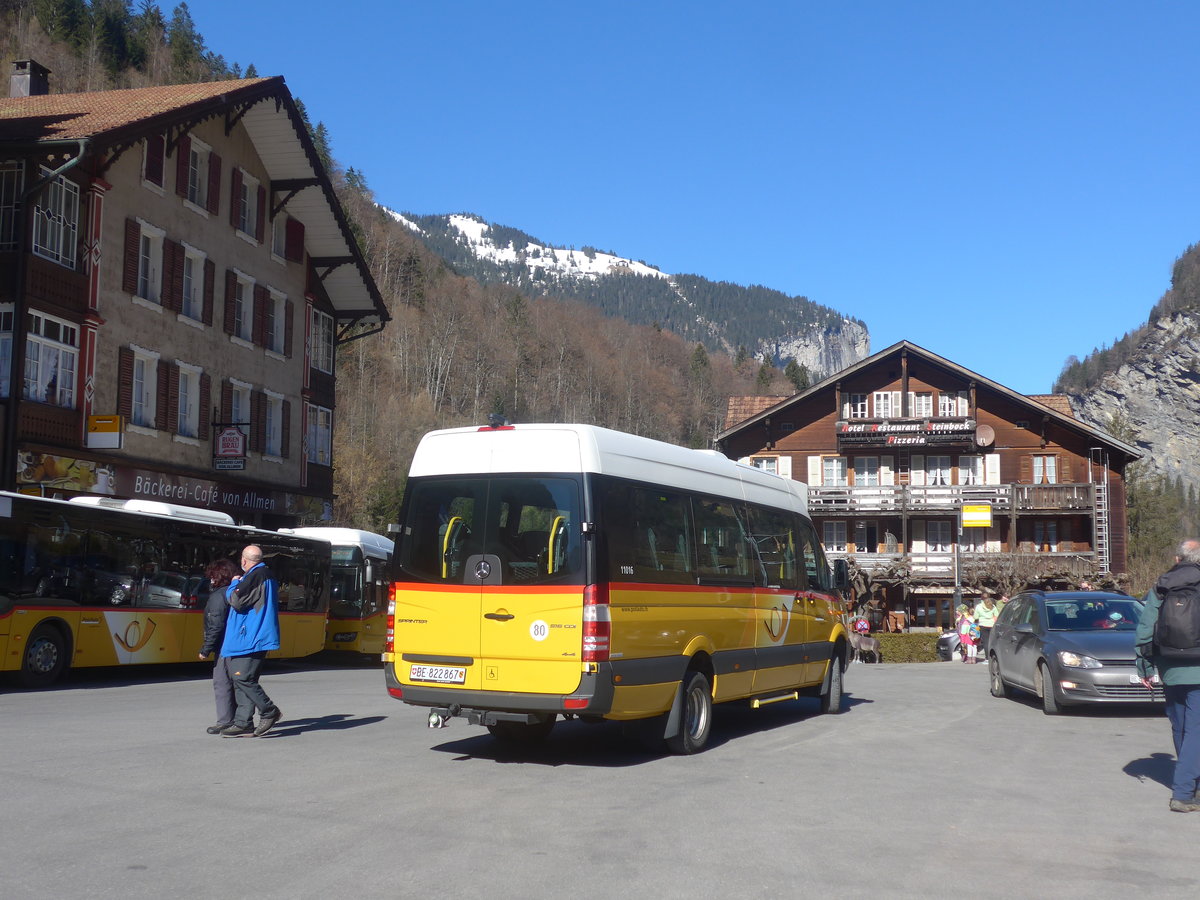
(797, 374)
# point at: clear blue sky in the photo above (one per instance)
(1003, 183)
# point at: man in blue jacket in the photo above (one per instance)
(1180, 678)
(250, 631)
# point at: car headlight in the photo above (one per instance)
(1078, 661)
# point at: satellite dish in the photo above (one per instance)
(985, 436)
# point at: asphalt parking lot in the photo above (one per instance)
(925, 786)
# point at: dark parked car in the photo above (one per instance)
(1067, 648)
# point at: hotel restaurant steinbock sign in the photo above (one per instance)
(906, 434)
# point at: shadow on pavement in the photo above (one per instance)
(1158, 767)
(292, 727)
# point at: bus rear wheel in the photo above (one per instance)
(697, 717)
(521, 734)
(45, 657)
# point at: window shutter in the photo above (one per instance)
(162, 410)
(155, 152)
(290, 314)
(172, 398)
(210, 277)
(285, 429)
(133, 238)
(235, 196)
(203, 412)
(214, 184)
(1026, 476)
(293, 240)
(258, 333)
(785, 466)
(258, 425)
(887, 470)
(230, 290)
(226, 401)
(916, 470)
(814, 470)
(991, 468)
(260, 222)
(918, 538)
(1064, 469)
(125, 383)
(183, 153)
(172, 286)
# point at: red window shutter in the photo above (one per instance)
(172, 286)
(285, 429)
(1064, 469)
(260, 223)
(235, 197)
(155, 152)
(210, 277)
(183, 153)
(133, 239)
(162, 412)
(1025, 475)
(172, 398)
(214, 183)
(289, 311)
(125, 383)
(226, 401)
(203, 413)
(230, 291)
(258, 334)
(293, 240)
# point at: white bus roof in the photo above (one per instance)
(158, 508)
(553, 448)
(368, 540)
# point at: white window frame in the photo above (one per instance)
(1045, 535)
(834, 532)
(319, 443)
(866, 471)
(197, 182)
(939, 536)
(12, 183)
(51, 356)
(150, 263)
(953, 404)
(276, 321)
(856, 406)
(144, 389)
(189, 399)
(7, 314)
(239, 403)
(886, 404)
(321, 347)
(274, 425)
(243, 307)
(920, 404)
(1045, 468)
(248, 206)
(766, 463)
(938, 471)
(970, 469)
(192, 306)
(56, 220)
(279, 238)
(834, 471)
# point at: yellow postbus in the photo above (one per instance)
(359, 578)
(101, 582)
(568, 570)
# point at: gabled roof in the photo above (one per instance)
(1038, 403)
(113, 121)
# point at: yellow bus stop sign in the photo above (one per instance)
(978, 515)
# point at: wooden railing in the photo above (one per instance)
(938, 568)
(919, 498)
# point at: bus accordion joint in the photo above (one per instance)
(597, 623)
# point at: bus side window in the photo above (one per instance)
(774, 533)
(815, 566)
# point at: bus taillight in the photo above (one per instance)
(597, 623)
(389, 638)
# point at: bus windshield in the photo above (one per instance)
(525, 529)
(345, 591)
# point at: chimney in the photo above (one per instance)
(29, 78)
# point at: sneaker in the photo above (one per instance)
(267, 722)
(218, 728)
(1192, 805)
(236, 730)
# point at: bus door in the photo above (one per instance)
(823, 603)
(783, 605)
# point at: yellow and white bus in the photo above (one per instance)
(570, 570)
(96, 581)
(358, 587)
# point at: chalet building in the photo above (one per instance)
(931, 477)
(175, 277)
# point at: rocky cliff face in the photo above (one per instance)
(1158, 393)
(823, 350)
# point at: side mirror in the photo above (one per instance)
(1023, 628)
(369, 574)
(841, 574)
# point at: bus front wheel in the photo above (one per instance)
(45, 657)
(697, 717)
(831, 690)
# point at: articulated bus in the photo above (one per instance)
(101, 582)
(362, 563)
(574, 571)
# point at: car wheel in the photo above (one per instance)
(831, 690)
(697, 717)
(997, 685)
(45, 657)
(1044, 685)
(521, 734)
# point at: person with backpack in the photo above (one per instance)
(1168, 645)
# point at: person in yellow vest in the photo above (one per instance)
(985, 617)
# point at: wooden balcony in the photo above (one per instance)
(917, 499)
(938, 568)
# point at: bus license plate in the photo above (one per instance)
(438, 674)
